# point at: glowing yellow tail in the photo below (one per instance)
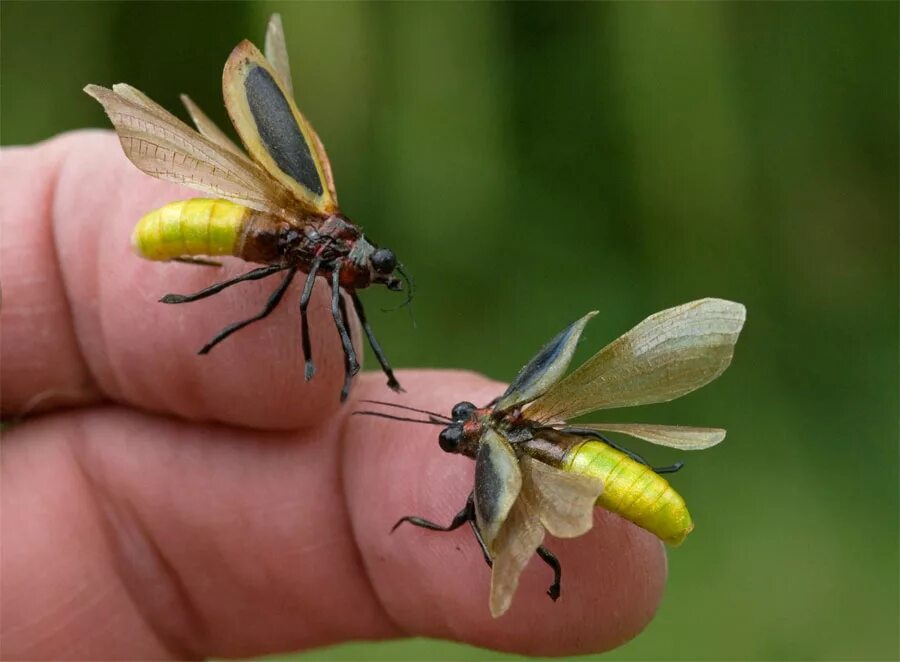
(632, 490)
(200, 226)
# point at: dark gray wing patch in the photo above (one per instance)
(497, 484)
(278, 130)
(546, 368)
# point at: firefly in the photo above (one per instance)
(273, 205)
(535, 473)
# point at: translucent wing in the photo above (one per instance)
(326, 164)
(546, 368)
(164, 147)
(664, 357)
(276, 53)
(208, 128)
(272, 129)
(516, 543)
(558, 501)
(564, 502)
(497, 484)
(674, 436)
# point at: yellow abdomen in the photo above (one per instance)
(633, 490)
(199, 226)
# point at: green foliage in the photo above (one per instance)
(530, 162)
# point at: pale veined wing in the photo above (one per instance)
(323, 160)
(682, 437)
(277, 55)
(497, 484)
(514, 546)
(546, 368)
(556, 501)
(164, 147)
(272, 129)
(209, 128)
(664, 357)
(563, 501)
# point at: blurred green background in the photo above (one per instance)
(530, 162)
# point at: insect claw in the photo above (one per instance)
(173, 298)
(309, 371)
(554, 592)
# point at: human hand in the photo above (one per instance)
(158, 504)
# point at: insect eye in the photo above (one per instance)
(383, 261)
(449, 438)
(462, 410)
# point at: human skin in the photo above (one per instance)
(158, 504)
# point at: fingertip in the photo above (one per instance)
(436, 584)
(75, 211)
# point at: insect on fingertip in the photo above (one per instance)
(274, 205)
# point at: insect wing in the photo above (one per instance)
(564, 502)
(682, 437)
(498, 481)
(208, 128)
(277, 55)
(546, 368)
(664, 357)
(164, 147)
(516, 543)
(272, 129)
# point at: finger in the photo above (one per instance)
(153, 537)
(81, 318)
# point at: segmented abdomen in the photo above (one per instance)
(199, 226)
(633, 490)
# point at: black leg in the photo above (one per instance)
(458, 520)
(376, 347)
(467, 514)
(481, 543)
(255, 274)
(669, 470)
(548, 558)
(199, 261)
(310, 368)
(273, 301)
(348, 369)
(585, 432)
(340, 319)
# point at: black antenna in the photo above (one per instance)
(398, 406)
(379, 414)
(410, 291)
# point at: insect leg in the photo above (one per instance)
(467, 514)
(458, 520)
(585, 432)
(392, 383)
(310, 368)
(203, 262)
(255, 274)
(548, 558)
(340, 319)
(481, 543)
(273, 301)
(670, 469)
(348, 370)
